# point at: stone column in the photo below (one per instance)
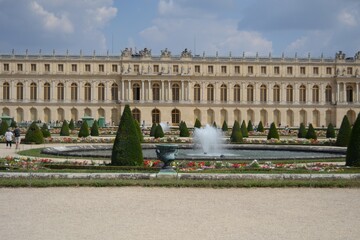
(142, 91)
(122, 91)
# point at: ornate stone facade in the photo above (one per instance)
(170, 88)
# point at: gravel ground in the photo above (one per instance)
(170, 213)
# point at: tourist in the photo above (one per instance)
(17, 137)
(8, 137)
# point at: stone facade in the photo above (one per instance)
(173, 88)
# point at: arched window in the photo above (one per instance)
(236, 93)
(175, 92)
(60, 92)
(175, 116)
(155, 115)
(276, 92)
(136, 114)
(33, 91)
(315, 94)
(250, 93)
(210, 93)
(263, 93)
(87, 91)
(302, 94)
(223, 93)
(289, 94)
(19, 91)
(349, 94)
(6, 91)
(46, 91)
(156, 92)
(74, 92)
(328, 94)
(196, 93)
(114, 92)
(101, 92)
(136, 92)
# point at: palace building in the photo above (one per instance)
(169, 88)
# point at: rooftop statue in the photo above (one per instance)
(126, 52)
(340, 55)
(357, 56)
(186, 53)
(165, 53)
(145, 53)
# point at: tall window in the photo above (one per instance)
(302, 94)
(210, 69)
(47, 67)
(87, 92)
(196, 93)
(237, 69)
(155, 116)
(46, 91)
(250, 70)
(60, 67)
(60, 92)
(210, 93)
(236, 93)
(114, 92)
(175, 116)
(115, 68)
(175, 92)
(74, 67)
(136, 114)
(289, 70)
(33, 67)
(250, 93)
(289, 94)
(276, 70)
(136, 92)
(156, 92)
(263, 69)
(223, 69)
(223, 93)
(87, 68)
(33, 91)
(315, 94)
(302, 70)
(197, 68)
(328, 71)
(101, 92)
(328, 94)
(20, 67)
(263, 93)
(276, 91)
(101, 68)
(349, 94)
(316, 70)
(6, 91)
(74, 92)
(19, 91)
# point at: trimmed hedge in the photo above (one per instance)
(236, 135)
(353, 150)
(159, 132)
(250, 126)
(197, 124)
(184, 131)
(260, 127)
(244, 130)
(139, 132)
(45, 131)
(311, 134)
(72, 125)
(34, 134)
(302, 131)
(344, 133)
(65, 130)
(224, 127)
(84, 130)
(3, 127)
(330, 131)
(273, 133)
(152, 130)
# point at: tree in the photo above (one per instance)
(224, 127)
(159, 132)
(197, 123)
(127, 147)
(353, 149)
(330, 131)
(260, 127)
(153, 129)
(65, 131)
(45, 131)
(302, 131)
(139, 132)
(236, 135)
(273, 133)
(244, 130)
(214, 124)
(343, 135)
(13, 124)
(94, 129)
(34, 134)
(184, 131)
(71, 125)
(250, 126)
(84, 130)
(3, 127)
(311, 134)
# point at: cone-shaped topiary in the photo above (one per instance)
(139, 132)
(13, 124)
(197, 123)
(236, 135)
(127, 148)
(311, 134)
(159, 132)
(84, 130)
(224, 127)
(250, 126)
(244, 130)
(214, 124)
(3, 127)
(260, 127)
(273, 133)
(34, 134)
(330, 131)
(71, 125)
(65, 131)
(152, 130)
(184, 131)
(343, 135)
(302, 131)
(353, 150)
(94, 129)
(45, 131)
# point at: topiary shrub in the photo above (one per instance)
(127, 148)
(343, 135)
(152, 130)
(197, 123)
(34, 134)
(71, 125)
(330, 131)
(84, 130)
(95, 129)
(302, 131)
(3, 127)
(311, 134)
(273, 133)
(250, 126)
(13, 124)
(244, 130)
(224, 127)
(159, 132)
(184, 131)
(214, 124)
(353, 150)
(139, 132)
(45, 131)
(236, 135)
(65, 130)
(260, 127)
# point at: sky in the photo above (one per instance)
(207, 27)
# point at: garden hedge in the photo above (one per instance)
(273, 133)
(65, 130)
(353, 150)
(84, 130)
(343, 136)
(34, 134)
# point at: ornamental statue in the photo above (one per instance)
(340, 55)
(145, 53)
(126, 53)
(357, 56)
(186, 53)
(165, 53)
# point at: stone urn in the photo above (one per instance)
(166, 153)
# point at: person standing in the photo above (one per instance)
(8, 137)
(17, 137)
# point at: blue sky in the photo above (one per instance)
(210, 26)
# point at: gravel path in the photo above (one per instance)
(169, 213)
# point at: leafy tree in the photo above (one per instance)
(250, 126)
(140, 134)
(260, 127)
(127, 148)
(152, 130)
(244, 130)
(3, 127)
(84, 130)
(65, 130)
(159, 132)
(302, 131)
(45, 131)
(236, 135)
(34, 134)
(184, 131)
(353, 149)
(344, 133)
(330, 131)
(311, 134)
(273, 133)
(197, 123)
(71, 125)
(224, 127)
(94, 129)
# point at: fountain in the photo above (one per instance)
(209, 139)
(165, 126)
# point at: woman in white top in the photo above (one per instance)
(9, 137)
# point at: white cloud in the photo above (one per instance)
(154, 34)
(347, 18)
(102, 15)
